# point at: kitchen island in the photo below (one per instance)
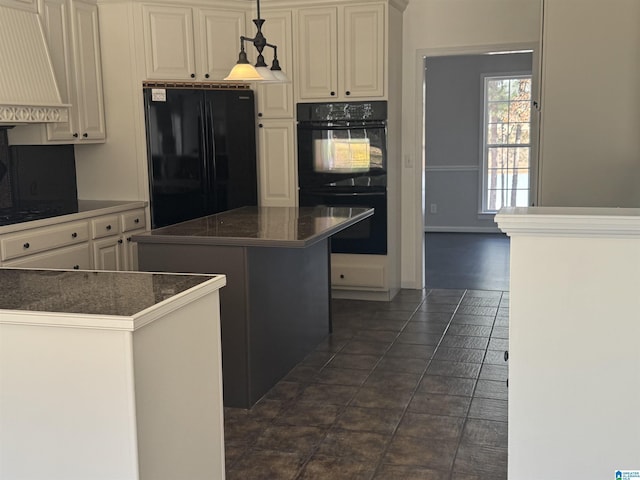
(107, 375)
(275, 309)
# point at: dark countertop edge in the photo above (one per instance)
(211, 283)
(148, 237)
(86, 209)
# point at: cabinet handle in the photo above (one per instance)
(128, 239)
(347, 92)
(260, 125)
(75, 135)
(260, 114)
(120, 241)
(74, 235)
(333, 94)
(506, 356)
(85, 135)
(26, 245)
(76, 267)
(206, 75)
(137, 220)
(108, 227)
(193, 75)
(341, 275)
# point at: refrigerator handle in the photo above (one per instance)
(209, 153)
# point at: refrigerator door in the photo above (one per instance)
(232, 164)
(176, 148)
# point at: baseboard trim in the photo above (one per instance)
(451, 229)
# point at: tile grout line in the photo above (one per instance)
(466, 417)
(379, 464)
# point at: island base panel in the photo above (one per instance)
(274, 309)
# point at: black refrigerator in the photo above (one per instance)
(201, 150)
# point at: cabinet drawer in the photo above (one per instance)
(370, 276)
(133, 220)
(75, 257)
(27, 243)
(105, 226)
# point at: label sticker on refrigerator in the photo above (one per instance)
(158, 95)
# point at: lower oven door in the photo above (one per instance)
(368, 236)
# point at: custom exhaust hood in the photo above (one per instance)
(28, 89)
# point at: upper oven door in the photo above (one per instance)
(342, 154)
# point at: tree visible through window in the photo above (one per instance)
(507, 142)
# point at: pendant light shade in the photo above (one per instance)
(243, 70)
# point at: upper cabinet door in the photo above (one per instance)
(56, 20)
(89, 94)
(317, 57)
(275, 100)
(219, 42)
(341, 52)
(169, 45)
(363, 65)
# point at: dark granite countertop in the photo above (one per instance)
(90, 292)
(260, 226)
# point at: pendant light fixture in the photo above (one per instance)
(244, 71)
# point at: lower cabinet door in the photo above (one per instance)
(76, 257)
(108, 254)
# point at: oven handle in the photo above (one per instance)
(344, 126)
(344, 194)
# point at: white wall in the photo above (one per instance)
(440, 27)
(590, 137)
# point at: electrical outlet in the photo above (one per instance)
(433, 208)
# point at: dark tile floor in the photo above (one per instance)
(478, 261)
(410, 389)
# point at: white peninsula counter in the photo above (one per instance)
(574, 342)
(110, 375)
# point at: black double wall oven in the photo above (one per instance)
(342, 162)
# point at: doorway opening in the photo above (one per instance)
(479, 155)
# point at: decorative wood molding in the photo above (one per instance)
(570, 221)
(19, 114)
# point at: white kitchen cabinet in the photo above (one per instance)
(276, 163)
(361, 272)
(75, 257)
(57, 246)
(102, 242)
(107, 243)
(132, 223)
(112, 245)
(275, 100)
(73, 37)
(190, 43)
(341, 52)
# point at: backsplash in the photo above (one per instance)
(5, 185)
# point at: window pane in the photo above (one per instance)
(497, 133)
(520, 89)
(498, 89)
(519, 133)
(520, 111)
(507, 142)
(496, 157)
(498, 112)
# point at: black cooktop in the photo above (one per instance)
(9, 216)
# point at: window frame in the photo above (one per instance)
(483, 211)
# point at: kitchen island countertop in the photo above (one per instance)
(289, 227)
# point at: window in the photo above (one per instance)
(507, 142)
